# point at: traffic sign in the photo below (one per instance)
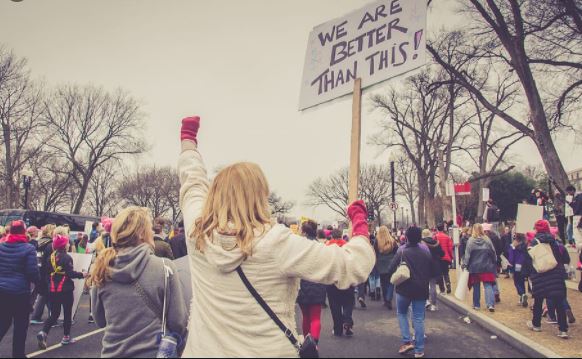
(394, 206)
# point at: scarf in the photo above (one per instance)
(17, 238)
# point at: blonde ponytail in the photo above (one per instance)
(104, 261)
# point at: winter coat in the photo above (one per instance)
(18, 268)
(225, 319)
(436, 253)
(446, 244)
(492, 214)
(551, 284)
(178, 244)
(518, 257)
(480, 256)
(576, 205)
(62, 273)
(311, 293)
(463, 246)
(131, 325)
(507, 240)
(162, 248)
(497, 244)
(421, 272)
(44, 251)
(384, 260)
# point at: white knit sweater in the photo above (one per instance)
(225, 320)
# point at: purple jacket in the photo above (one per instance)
(517, 256)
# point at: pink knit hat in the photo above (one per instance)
(107, 224)
(60, 242)
(530, 236)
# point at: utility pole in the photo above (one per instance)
(392, 175)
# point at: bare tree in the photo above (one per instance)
(51, 184)
(279, 207)
(90, 127)
(529, 44)
(102, 194)
(20, 107)
(406, 182)
(332, 192)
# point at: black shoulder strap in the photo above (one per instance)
(288, 333)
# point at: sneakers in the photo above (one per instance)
(449, 291)
(563, 335)
(406, 348)
(41, 337)
(491, 309)
(427, 305)
(362, 303)
(476, 309)
(533, 328)
(524, 302)
(571, 318)
(432, 308)
(419, 355)
(497, 298)
(551, 321)
(349, 331)
(67, 340)
(36, 322)
(338, 335)
(91, 320)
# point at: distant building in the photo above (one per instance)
(575, 178)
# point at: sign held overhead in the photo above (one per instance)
(375, 43)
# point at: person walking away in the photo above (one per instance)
(436, 253)
(162, 248)
(32, 233)
(374, 279)
(44, 251)
(576, 206)
(492, 215)
(507, 241)
(233, 238)
(569, 213)
(178, 243)
(551, 306)
(481, 261)
(521, 268)
(18, 270)
(414, 292)
(341, 301)
(61, 289)
(498, 244)
(128, 288)
(311, 295)
(550, 285)
(465, 236)
(446, 244)
(387, 248)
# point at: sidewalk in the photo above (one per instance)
(511, 315)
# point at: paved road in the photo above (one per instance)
(377, 336)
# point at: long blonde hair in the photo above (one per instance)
(386, 243)
(48, 230)
(131, 228)
(237, 205)
(478, 231)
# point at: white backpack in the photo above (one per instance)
(542, 256)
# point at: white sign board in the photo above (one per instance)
(527, 216)
(486, 194)
(81, 263)
(380, 41)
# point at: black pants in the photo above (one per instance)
(384, 283)
(15, 309)
(560, 312)
(445, 279)
(341, 304)
(562, 228)
(58, 301)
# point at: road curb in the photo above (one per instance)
(509, 336)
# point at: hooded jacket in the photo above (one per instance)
(61, 277)
(446, 244)
(436, 253)
(480, 256)
(551, 284)
(225, 320)
(421, 271)
(119, 306)
(18, 267)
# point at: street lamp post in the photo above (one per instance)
(26, 183)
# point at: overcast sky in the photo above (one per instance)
(238, 64)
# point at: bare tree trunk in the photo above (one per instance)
(82, 194)
(422, 193)
(11, 190)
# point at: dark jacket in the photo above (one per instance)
(61, 277)
(162, 249)
(311, 293)
(463, 247)
(518, 258)
(419, 262)
(493, 214)
(178, 245)
(18, 268)
(551, 284)
(497, 244)
(577, 205)
(437, 254)
(384, 260)
(507, 240)
(480, 256)
(44, 251)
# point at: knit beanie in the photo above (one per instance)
(17, 227)
(60, 242)
(542, 226)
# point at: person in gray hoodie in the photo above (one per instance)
(481, 260)
(128, 291)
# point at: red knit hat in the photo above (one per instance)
(542, 226)
(60, 242)
(17, 227)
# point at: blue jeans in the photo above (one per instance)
(390, 292)
(570, 230)
(418, 314)
(489, 295)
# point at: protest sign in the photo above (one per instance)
(380, 41)
(81, 263)
(527, 216)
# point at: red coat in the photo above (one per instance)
(447, 245)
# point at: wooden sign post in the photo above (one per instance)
(354, 177)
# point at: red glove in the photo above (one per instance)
(359, 217)
(189, 131)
